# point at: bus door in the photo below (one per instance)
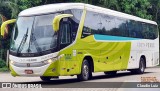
(65, 41)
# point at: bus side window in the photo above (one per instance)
(86, 32)
(65, 32)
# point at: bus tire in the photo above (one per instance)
(45, 78)
(141, 68)
(110, 73)
(85, 71)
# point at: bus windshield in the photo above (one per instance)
(34, 34)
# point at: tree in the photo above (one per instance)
(112, 4)
(8, 9)
(13, 5)
(136, 7)
(2, 10)
(24, 4)
(155, 8)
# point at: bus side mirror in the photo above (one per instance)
(57, 19)
(4, 24)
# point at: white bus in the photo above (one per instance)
(78, 39)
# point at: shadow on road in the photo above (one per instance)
(71, 81)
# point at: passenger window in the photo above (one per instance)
(92, 24)
(65, 33)
(133, 29)
(108, 26)
(121, 27)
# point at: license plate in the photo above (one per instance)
(28, 71)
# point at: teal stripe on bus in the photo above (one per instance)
(116, 38)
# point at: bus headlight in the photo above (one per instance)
(49, 61)
(12, 62)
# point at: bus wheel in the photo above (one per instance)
(45, 78)
(85, 71)
(111, 73)
(141, 68)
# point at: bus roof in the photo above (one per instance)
(51, 8)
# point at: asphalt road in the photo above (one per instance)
(68, 83)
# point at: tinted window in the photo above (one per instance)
(121, 27)
(65, 33)
(134, 29)
(97, 23)
(155, 31)
(108, 26)
(92, 24)
(131, 29)
(149, 31)
(77, 13)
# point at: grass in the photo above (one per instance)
(4, 69)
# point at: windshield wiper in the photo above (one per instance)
(23, 41)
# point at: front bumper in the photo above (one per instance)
(46, 70)
(20, 71)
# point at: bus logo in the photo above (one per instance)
(28, 65)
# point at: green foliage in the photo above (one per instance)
(24, 4)
(155, 8)
(13, 6)
(9, 8)
(136, 7)
(111, 4)
(4, 69)
(2, 63)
